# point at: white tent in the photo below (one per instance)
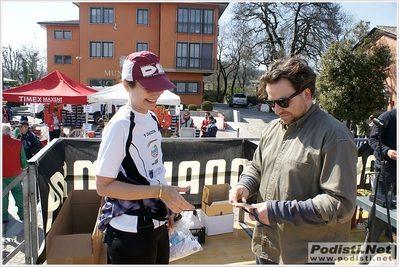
(118, 94)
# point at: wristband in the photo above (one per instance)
(261, 224)
(160, 191)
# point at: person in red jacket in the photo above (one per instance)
(205, 123)
(54, 124)
(14, 160)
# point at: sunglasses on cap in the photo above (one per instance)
(282, 102)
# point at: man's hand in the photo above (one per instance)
(261, 210)
(238, 193)
(392, 154)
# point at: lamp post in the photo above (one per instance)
(79, 58)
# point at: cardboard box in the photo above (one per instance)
(217, 208)
(74, 237)
(215, 225)
(215, 200)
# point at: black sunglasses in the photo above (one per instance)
(282, 102)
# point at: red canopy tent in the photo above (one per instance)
(53, 88)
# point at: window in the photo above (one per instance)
(181, 55)
(207, 26)
(102, 15)
(194, 55)
(206, 56)
(62, 35)
(186, 88)
(141, 47)
(62, 59)
(57, 59)
(195, 20)
(67, 60)
(192, 88)
(182, 20)
(100, 82)
(102, 49)
(142, 16)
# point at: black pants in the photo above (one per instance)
(55, 134)
(150, 247)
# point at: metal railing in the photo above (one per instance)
(28, 226)
(30, 244)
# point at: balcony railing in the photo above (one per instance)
(190, 27)
(194, 63)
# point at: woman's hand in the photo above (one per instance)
(174, 200)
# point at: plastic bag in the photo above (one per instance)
(181, 240)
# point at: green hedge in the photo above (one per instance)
(206, 106)
(192, 107)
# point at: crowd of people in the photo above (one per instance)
(208, 126)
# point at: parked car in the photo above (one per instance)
(239, 99)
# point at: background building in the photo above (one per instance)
(386, 35)
(91, 50)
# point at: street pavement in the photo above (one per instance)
(250, 126)
(251, 123)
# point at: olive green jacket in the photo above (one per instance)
(313, 158)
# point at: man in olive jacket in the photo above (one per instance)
(304, 171)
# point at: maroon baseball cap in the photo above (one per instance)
(144, 67)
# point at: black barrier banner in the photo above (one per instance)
(205, 163)
(70, 165)
(67, 165)
(50, 179)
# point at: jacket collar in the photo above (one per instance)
(298, 123)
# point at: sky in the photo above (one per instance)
(19, 18)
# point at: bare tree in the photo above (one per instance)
(291, 28)
(25, 64)
(242, 52)
(236, 56)
(12, 63)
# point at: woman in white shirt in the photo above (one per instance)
(130, 171)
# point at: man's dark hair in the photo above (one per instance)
(296, 70)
